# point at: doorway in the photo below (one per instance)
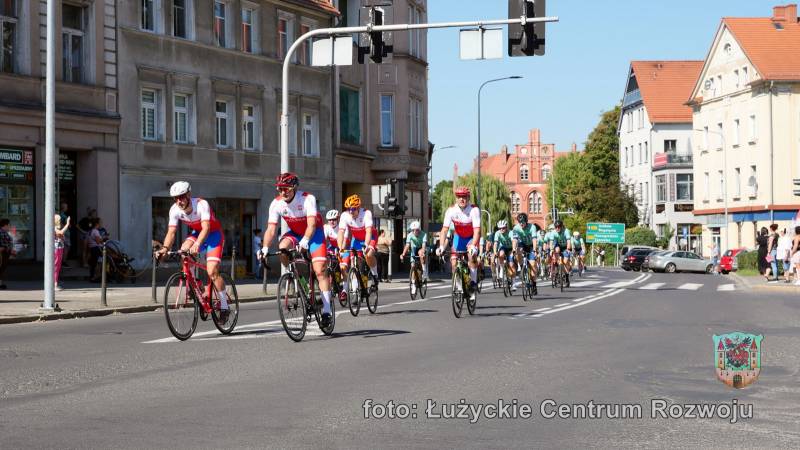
(68, 193)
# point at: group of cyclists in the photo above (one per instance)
(353, 230)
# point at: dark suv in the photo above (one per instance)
(633, 259)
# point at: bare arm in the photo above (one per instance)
(312, 226)
(269, 234)
(442, 237)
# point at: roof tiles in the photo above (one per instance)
(665, 86)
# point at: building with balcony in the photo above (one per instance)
(526, 172)
(655, 147)
(745, 114)
(87, 122)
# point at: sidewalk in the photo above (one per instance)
(757, 282)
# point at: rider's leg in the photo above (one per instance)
(372, 261)
(286, 244)
(324, 284)
(424, 261)
(473, 267)
(213, 273)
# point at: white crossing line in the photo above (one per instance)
(651, 286)
(727, 287)
(560, 305)
(690, 286)
(584, 283)
(540, 309)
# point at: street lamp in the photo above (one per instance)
(724, 180)
(478, 193)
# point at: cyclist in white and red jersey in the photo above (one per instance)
(206, 234)
(466, 219)
(358, 222)
(299, 210)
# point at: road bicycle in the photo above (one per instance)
(187, 298)
(461, 286)
(335, 275)
(362, 284)
(504, 276)
(558, 272)
(298, 298)
(527, 276)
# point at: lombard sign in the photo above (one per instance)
(605, 233)
(16, 165)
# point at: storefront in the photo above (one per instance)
(17, 197)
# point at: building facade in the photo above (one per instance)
(526, 172)
(202, 102)
(746, 104)
(655, 145)
(87, 120)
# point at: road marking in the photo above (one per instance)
(560, 305)
(540, 309)
(727, 287)
(584, 283)
(651, 286)
(690, 286)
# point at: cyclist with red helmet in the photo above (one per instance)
(466, 219)
(357, 221)
(299, 210)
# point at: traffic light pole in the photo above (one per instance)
(346, 31)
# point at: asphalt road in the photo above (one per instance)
(614, 338)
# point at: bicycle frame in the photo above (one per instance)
(188, 263)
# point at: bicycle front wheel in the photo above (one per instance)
(180, 307)
(225, 322)
(292, 308)
(354, 294)
(412, 284)
(458, 293)
(372, 294)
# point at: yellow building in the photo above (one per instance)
(746, 117)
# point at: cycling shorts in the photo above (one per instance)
(212, 246)
(357, 244)
(528, 251)
(316, 245)
(460, 244)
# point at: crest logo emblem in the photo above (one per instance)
(737, 358)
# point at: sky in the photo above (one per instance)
(563, 93)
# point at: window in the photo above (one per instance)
(737, 180)
(149, 14)
(515, 203)
(8, 35)
(305, 47)
(720, 136)
(735, 132)
(705, 138)
(310, 139)
(737, 78)
(349, 115)
(415, 123)
(670, 145)
(222, 125)
(414, 44)
(545, 172)
(745, 75)
(721, 191)
(183, 19)
(285, 33)
(706, 186)
(220, 24)
(752, 183)
(387, 120)
(646, 154)
(249, 23)
(523, 172)
(249, 128)
(73, 27)
(641, 118)
(753, 128)
(630, 122)
(181, 104)
(661, 189)
(150, 114)
(641, 160)
(684, 187)
(647, 193)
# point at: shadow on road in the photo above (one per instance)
(406, 311)
(368, 333)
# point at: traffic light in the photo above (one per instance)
(527, 40)
(395, 201)
(378, 49)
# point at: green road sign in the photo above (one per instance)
(605, 233)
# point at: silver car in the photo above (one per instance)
(671, 261)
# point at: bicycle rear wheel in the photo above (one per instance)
(471, 302)
(292, 308)
(225, 323)
(180, 307)
(423, 288)
(354, 294)
(562, 277)
(457, 293)
(372, 294)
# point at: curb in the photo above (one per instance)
(779, 287)
(46, 317)
(741, 281)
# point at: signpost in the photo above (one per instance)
(606, 233)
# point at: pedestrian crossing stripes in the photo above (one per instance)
(685, 287)
(584, 283)
(690, 286)
(651, 286)
(727, 287)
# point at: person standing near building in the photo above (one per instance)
(6, 250)
(59, 248)
(784, 254)
(67, 242)
(256, 247)
(383, 255)
(715, 257)
(772, 253)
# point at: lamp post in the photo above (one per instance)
(478, 192)
(430, 178)
(724, 181)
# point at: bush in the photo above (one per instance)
(662, 243)
(640, 236)
(747, 260)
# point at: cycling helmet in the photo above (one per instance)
(354, 201)
(551, 227)
(522, 217)
(179, 188)
(502, 224)
(575, 233)
(332, 215)
(414, 226)
(559, 224)
(287, 179)
(462, 191)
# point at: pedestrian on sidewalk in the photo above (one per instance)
(60, 232)
(256, 247)
(67, 236)
(772, 254)
(84, 227)
(6, 250)
(95, 250)
(715, 256)
(796, 254)
(383, 256)
(785, 254)
(762, 239)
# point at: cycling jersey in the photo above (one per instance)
(503, 240)
(465, 221)
(357, 227)
(296, 213)
(524, 235)
(417, 242)
(201, 211)
(577, 243)
(560, 239)
(331, 237)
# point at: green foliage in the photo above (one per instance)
(588, 182)
(640, 236)
(495, 197)
(442, 199)
(663, 242)
(747, 260)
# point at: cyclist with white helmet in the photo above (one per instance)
(524, 238)
(205, 236)
(417, 244)
(579, 250)
(503, 246)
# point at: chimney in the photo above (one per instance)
(484, 155)
(504, 152)
(785, 14)
(455, 175)
(533, 136)
(574, 147)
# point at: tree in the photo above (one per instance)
(441, 201)
(640, 236)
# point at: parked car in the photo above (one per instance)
(627, 248)
(728, 263)
(633, 259)
(679, 261)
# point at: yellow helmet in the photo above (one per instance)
(354, 201)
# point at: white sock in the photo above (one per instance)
(223, 300)
(326, 302)
(374, 270)
(344, 284)
(473, 274)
